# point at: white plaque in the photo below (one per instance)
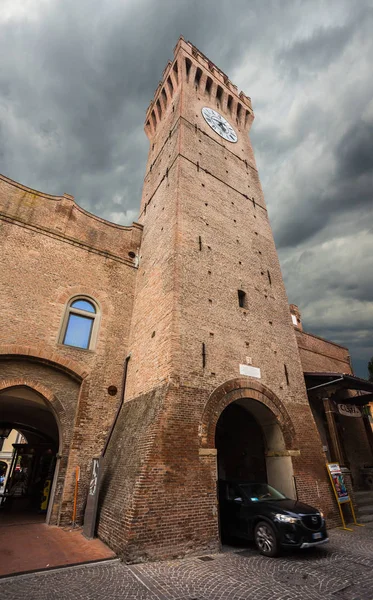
(250, 371)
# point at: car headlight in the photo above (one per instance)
(286, 518)
(321, 514)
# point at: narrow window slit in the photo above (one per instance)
(286, 374)
(188, 65)
(203, 355)
(198, 76)
(241, 299)
(159, 109)
(154, 119)
(208, 85)
(176, 72)
(170, 86)
(239, 112)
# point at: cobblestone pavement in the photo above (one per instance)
(341, 570)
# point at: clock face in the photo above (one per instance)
(219, 124)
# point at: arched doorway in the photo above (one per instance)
(29, 487)
(251, 449)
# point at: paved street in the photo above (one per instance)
(340, 571)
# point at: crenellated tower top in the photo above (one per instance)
(190, 65)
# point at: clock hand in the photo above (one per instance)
(218, 122)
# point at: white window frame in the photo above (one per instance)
(70, 310)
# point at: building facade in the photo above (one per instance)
(174, 334)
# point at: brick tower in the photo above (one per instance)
(211, 326)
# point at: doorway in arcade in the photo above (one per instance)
(29, 483)
(249, 441)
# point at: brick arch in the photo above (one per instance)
(43, 354)
(65, 296)
(54, 403)
(237, 389)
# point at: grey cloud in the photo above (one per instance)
(77, 77)
(317, 51)
(355, 151)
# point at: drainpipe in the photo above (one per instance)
(119, 407)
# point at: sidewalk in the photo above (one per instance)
(30, 545)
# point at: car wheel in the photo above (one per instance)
(266, 539)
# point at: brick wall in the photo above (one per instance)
(206, 235)
(52, 250)
(319, 355)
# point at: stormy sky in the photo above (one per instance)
(77, 76)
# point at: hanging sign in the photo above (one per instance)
(337, 480)
(349, 410)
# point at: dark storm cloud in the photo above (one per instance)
(355, 151)
(76, 79)
(319, 50)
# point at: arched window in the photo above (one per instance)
(80, 324)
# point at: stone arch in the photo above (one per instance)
(237, 389)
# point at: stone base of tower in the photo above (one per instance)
(158, 496)
(159, 493)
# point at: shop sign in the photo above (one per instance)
(349, 410)
(337, 480)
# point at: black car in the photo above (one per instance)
(256, 511)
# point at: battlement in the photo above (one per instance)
(192, 66)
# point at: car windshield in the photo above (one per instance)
(261, 491)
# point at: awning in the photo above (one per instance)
(338, 382)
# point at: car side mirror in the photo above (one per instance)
(238, 500)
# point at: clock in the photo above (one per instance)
(219, 124)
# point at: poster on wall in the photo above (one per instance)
(92, 500)
(337, 480)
